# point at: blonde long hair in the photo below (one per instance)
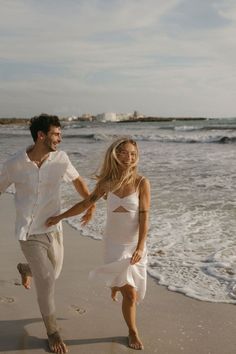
(111, 173)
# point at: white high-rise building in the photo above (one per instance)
(107, 117)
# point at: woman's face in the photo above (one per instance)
(127, 154)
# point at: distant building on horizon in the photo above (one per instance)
(124, 116)
(86, 117)
(106, 117)
(71, 118)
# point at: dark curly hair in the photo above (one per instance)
(43, 122)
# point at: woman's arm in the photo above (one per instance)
(144, 205)
(77, 208)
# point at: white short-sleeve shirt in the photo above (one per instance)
(37, 190)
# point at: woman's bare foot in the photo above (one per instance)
(114, 292)
(25, 273)
(134, 341)
(56, 344)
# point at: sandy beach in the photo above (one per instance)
(169, 323)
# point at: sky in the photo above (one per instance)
(158, 57)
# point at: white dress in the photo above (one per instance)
(120, 240)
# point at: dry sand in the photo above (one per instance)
(169, 323)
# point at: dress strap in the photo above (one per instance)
(137, 187)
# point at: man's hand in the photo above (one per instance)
(53, 220)
(87, 216)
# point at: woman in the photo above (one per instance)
(128, 201)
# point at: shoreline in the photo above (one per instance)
(169, 322)
(25, 121)
(162, 119)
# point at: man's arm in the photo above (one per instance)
(4, 179)
(78, 208)
(82, 189)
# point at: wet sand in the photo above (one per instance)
(169, 323)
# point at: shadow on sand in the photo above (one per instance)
(14, 337)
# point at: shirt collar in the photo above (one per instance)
(52, 154)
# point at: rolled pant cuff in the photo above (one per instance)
(50, 323)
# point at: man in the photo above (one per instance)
(37, 174)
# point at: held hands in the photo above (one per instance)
(53, 220)
(87, 216)
(137, 255)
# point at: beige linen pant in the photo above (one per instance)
(44, 254)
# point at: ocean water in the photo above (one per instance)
(192, 170)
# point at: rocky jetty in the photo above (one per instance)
(22, 121)
(161, 119)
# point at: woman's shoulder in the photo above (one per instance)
(141, 178)
(141, 181)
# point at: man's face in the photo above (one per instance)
(52, 138)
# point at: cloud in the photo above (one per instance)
(72, 56)
(191, 15)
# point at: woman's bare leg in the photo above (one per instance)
(129, 313)
(114, 291)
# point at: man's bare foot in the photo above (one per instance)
(25, 273)
(134, 341)
(56, 344)
(114, 292)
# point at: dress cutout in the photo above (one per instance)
(120, 240)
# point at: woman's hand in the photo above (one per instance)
(53, 220)
(137, 255)
(87, 216)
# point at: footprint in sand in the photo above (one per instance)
(17, 282)
(6, 300)
(78, 310)
(10, 282)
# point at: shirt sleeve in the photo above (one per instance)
(4, 179)
(71, 173)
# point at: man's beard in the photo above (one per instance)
(48, 144)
